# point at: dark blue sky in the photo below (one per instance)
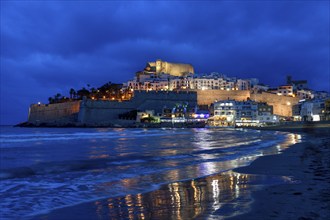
(49, 47)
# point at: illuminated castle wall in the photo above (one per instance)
(100, 112)
(282, 105)
(96, 112)
(175, 69)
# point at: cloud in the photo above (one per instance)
(49, 47)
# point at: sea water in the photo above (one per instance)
(42, 169)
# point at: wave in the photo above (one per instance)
(76, 136)
(221, 153)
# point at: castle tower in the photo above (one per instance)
(159, 66)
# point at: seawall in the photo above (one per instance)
(105, 113)
(57, 113)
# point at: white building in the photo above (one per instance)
(213, 81)
(267, 118)
(286, 90)
(243, 84)
(230, 112)
(305, 94)
(246, 111)
(312, 110)
(224, 113)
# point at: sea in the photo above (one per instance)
(47, 169)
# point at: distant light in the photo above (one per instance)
(316, 117)
(39, 103)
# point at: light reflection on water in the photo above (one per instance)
(131, 162)
(213, 197)
(217, 196)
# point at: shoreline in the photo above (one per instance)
(306, 164)
(301, 126)
(126, 124)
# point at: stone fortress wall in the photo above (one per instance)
(105, 112)
(92, 112)
(207, 97)
(282, 105)
(60, 112)
(174, 69)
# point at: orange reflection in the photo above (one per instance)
(189, 199)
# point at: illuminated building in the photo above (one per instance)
(224, 113)
(286, 90)
(246, 113)
(296, 109)
(265, 114)
(305, 94)
(313, 110)
(166, 81)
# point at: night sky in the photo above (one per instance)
(50, 47)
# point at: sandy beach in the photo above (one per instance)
(309, 164)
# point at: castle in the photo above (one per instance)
(162, 85)
(174, 69)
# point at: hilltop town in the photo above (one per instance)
(171, 94)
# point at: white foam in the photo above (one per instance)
(76, 136)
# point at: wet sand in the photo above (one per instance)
(216, 196)
(309, 164)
